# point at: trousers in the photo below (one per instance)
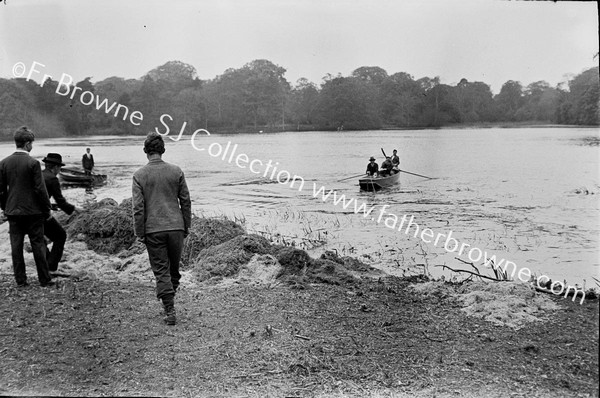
(56, 233)
(32, 226)
(164, 252)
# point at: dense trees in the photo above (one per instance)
(579, 105)
(257, 96)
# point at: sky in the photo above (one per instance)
(480, 40)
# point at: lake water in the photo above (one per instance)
(530, 195)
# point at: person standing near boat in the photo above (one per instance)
(372, 167)
(162, 215)
(26, 204)
(52, 228)
(87, 161)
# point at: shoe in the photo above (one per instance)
(48, 284)
(24, 284)
(171, 318)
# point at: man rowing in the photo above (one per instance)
(386, 167)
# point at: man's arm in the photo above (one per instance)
(53, 187)
(2, 188)
(138, 207)
(185, 203)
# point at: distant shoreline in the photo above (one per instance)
(265, 130)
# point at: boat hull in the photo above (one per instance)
(377, 183)
(69, 176)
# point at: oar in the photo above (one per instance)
(344, 179)
(408, 172)
(415, 174)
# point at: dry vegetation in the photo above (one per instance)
(258, 320)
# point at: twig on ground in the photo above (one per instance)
(472, 273)
(272, 372)
(61, 274)
(437, 340)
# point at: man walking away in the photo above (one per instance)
(52, 229)
(162, 214)
(25, 202)
(87, 161)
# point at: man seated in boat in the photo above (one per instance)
(396, 161)
(386, 167)
(372, 168)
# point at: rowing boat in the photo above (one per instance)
(68, 176)
(377, 183)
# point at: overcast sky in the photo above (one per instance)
(482, 40)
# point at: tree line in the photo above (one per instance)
(257, 97)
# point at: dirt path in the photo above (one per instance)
(92, 337)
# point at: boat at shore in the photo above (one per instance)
(377, 183)
(70, 176)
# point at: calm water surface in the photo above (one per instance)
(528, 195)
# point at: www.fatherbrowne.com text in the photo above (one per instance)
(405, 224)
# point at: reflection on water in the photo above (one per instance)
(531, 195)
(589, 141)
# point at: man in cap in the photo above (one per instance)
(25, 202)
(162, 214)
(52, 229)
(372, 167)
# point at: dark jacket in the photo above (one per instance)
(372, 168)
(87, 163)
(161, 199)
(53, 188)
(22, 189)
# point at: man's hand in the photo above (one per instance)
(78, 210)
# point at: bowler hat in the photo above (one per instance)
(372, 158)
(53, 158)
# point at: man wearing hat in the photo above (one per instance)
(372, 167)
(52, 229)
(25, 202)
